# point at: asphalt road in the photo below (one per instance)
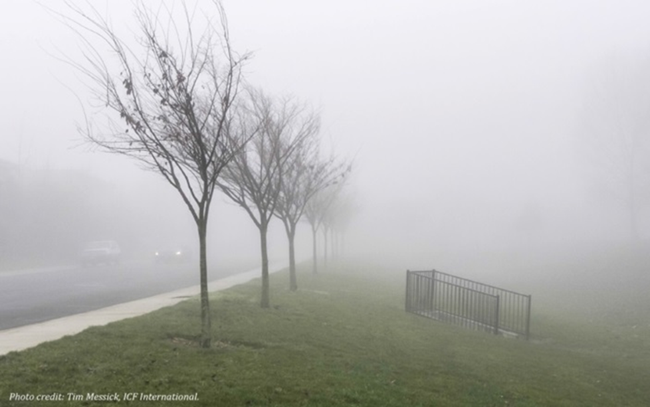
(32, 296)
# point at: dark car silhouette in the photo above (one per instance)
(173, 255)
(101, 252)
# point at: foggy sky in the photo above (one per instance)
(461, 115)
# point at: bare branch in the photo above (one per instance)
(170, 98)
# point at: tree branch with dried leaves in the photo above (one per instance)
(170, 99)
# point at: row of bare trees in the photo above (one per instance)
(176, 101)
(329, 211)
(279, 171)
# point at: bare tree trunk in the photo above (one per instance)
(324, 248)
(266, 302)
(206, 326)
(314, 250)
(338, 245)
(293, 281)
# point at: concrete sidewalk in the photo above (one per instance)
(25, 337)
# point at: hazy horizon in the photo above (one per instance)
(466, 120)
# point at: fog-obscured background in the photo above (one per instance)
(474, 126)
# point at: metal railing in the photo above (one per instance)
(468, 303)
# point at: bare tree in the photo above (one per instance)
(169, 94)
(338, 219)
(317, 212)
(254, 178)
(617, 136)
(304, 175)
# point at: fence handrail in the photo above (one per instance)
(465, 288)
(454, 284)
(470, 281)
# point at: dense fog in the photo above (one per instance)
(474, 128)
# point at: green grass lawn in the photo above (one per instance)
(342, 339)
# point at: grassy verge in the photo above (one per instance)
(343, 339)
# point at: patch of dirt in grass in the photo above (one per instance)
(176, 340)
(317, 292)
(247, 344)
(216, 344)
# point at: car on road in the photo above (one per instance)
(172, 255)
(101, 252)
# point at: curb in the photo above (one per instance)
(25, 337)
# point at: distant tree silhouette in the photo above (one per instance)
(305, 174)
(254, 178)
(318, 213)
(615, 135)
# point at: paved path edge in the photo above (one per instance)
(25, 337)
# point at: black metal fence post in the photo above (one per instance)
(434, 307)
(497, 316)
(408, 306)
(528, 318)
